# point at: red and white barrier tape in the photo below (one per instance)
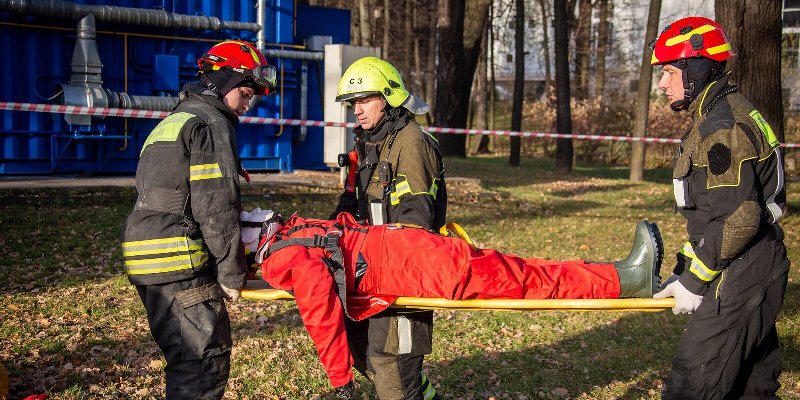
(118, 112)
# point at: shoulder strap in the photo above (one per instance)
(335, 262)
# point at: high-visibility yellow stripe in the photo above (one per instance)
(766, 130)
(161, 246)
(718, 49)
(434, 189)
(399, 190)
(162, 249)
(165, 264)
(168, 129)
(428, 391)
(201, 167)
(687, 250)
(697, 267)
(701, 271)
(403, 188)
(204, 171)
(682, 38)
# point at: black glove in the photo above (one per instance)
(345, 392)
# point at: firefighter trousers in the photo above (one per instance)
(189, 322)
(388, 349)
(730, 349)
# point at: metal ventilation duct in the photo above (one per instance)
(122, 15)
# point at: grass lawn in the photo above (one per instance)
(71, 325)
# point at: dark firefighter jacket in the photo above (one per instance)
(400, 175)
(186, 217)
(728, 182)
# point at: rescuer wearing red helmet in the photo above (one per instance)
(731, 274)
(181, 243)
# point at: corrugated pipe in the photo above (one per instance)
(294, 54)
(152, 103)
(122, 15)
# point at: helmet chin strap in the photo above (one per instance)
(210, 85)
(696, 74)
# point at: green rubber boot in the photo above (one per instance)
(639, 273)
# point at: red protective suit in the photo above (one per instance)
(403, 261)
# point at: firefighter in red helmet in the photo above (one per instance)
(731, 274)
(181, 243)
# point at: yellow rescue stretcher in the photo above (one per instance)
(259, 292)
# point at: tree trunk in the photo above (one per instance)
(450, 46)
(754, 29)
(387, 22)
(519, 82)
(355, 26)
(643, 95)
(430, 67)
(602, 49)
(458, 49)
(548, 81)
(364, 22)
(583, 43)
(417, 74)
(491, 66)
(482, 145)
(563, 115)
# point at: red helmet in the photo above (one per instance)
(243, 58)
(691, 37)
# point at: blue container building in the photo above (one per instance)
(138, 54)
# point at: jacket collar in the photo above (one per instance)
(198, 91)
(394, 120)
(702, 105)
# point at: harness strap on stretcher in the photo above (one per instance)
(335, 263)
(641, 304)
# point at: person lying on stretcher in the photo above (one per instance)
(341, 269)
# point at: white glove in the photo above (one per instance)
(231, 294)
(685, 301)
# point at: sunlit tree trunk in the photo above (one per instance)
(548, 81)
(480, 94)
(583, 41)
(387, 26)
(364, 16)
(602, 48)
(643, 95)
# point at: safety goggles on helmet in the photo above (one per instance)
(242, 58)
(263, 75)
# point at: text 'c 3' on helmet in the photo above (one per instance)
(242, 58)
(373, 76)
(691, 37)
(369, 76)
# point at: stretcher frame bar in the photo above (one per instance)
(647, 305)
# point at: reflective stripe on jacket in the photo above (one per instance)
(186, 217)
